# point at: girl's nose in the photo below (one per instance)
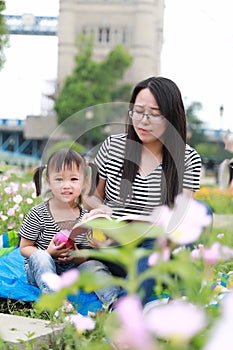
(66, 184)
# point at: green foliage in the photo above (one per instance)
(16, 200)
(214, 150)
(176, 276)
(93, 83)
(195, 124)
(63, 144)
(4, 37)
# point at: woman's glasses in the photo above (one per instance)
(152, 117)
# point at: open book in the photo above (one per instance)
(98, 233)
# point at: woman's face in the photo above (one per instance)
(149, 125)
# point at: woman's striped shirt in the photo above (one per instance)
(40, 226)
(146, 189)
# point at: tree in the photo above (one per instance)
(4, 37)
(93, 83)
(195, 124)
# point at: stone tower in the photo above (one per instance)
(137, 24)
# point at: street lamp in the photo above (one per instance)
(221, 110)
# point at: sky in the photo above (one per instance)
(197, 54)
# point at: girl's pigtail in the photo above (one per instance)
(94, 178)
(37, 178)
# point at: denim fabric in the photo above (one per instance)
(106, 295)
(147, 286)
(41, 262)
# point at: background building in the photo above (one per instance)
(137, 24)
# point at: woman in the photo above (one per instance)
(151, 163)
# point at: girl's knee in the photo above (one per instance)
(40, 257)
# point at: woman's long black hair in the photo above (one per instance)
(170, 103)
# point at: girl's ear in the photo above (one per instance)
(47, 180)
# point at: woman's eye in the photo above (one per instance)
(139, 110)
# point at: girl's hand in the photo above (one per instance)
(59, 252)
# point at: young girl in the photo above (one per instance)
(66, 175)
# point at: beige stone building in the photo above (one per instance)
(137, 24)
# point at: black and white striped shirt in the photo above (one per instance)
(146, 189)
(40, 226)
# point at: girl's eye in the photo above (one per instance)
(74, 179)
(58, 179)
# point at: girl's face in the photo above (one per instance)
(151, 126)
(65, 185)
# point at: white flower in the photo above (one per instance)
(18, 198)
(4, 217)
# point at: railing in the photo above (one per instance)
(28, 24)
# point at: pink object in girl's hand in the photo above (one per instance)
(63, 237)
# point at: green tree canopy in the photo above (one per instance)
(195, 124)
(93, 83)
(4, 37)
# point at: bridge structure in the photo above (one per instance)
(28, 24)
(16, 147)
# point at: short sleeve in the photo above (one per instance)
(102, 158)
(192, 172)
(31, 226)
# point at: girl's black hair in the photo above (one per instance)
(170, 103)
(66, 158)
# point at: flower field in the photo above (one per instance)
(221, 201)
(191, 262)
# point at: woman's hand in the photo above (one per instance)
(96, 244)
(102, 209)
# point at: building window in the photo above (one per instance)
(100, 36)
(104, 35)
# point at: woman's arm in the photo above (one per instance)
(95, 203)
(188, 193)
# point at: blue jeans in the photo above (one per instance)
(147, 286)
(41, 261)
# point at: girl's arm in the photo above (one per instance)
(27, 247)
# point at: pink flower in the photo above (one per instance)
(11, 212)
(81, 322)
(29, 200)
(164, 255)
(213, 254)
(8, 190)
(56, 283)
(133, 333)
(195, 254)
(185, 222)
(220, 235)
(153, 259)
(178, 321)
